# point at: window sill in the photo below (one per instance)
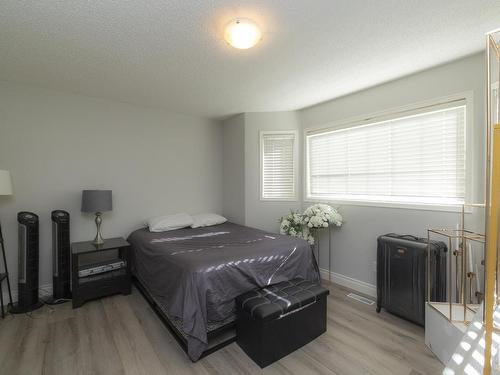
(279, 199)
(403, 205)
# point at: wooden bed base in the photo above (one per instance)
(217, 339)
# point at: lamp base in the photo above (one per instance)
(98, 240)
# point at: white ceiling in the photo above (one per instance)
(171, 54)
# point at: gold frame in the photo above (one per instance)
(491, 270)
(464, 236)
(492, 266)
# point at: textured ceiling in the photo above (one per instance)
(170, 54)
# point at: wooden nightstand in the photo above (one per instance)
(85, 255)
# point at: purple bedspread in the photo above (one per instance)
(196, 273)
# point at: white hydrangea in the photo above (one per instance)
(321, 216)
(293, 225)
(314, 217)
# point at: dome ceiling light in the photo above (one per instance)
(242, 33)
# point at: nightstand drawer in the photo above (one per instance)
(101, 288)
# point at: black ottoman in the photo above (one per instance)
(276, 320)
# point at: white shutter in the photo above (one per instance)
(278, 165)
(412, 159)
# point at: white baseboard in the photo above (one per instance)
(349, 282)
(337, 278)
(43, 291)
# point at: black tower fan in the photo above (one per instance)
(28, 263)
(60, 255)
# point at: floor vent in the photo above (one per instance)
(361, 299)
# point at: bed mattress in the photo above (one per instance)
(195, 274)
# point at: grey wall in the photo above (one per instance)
(234, 168)
(56, 144)
(354, 244)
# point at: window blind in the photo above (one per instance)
(278, 166)
(411, 159)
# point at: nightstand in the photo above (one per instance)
(99, 270)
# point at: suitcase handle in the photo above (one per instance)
(403, 236)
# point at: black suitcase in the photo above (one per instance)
(402, 275)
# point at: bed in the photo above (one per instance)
(192, 276)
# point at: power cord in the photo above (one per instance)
(53, 302)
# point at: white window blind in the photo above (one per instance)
(278, 165)
(411, 159)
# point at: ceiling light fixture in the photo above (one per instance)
(242, 33)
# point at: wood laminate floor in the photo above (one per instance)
(122, 335)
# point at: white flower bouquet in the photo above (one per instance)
(321, 216)
(293, 225)
(314, 217)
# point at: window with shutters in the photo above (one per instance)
(278, 165)
(416, 158)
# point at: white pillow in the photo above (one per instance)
(169, 222)
(206, 220)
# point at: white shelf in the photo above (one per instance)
(457, 312)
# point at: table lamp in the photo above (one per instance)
(97, 202)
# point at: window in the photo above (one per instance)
(418, 158)
(278, 165)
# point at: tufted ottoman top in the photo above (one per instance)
(273, 301)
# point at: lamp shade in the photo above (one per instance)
(5, 183)
(97, 200)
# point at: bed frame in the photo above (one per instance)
(217, 339)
